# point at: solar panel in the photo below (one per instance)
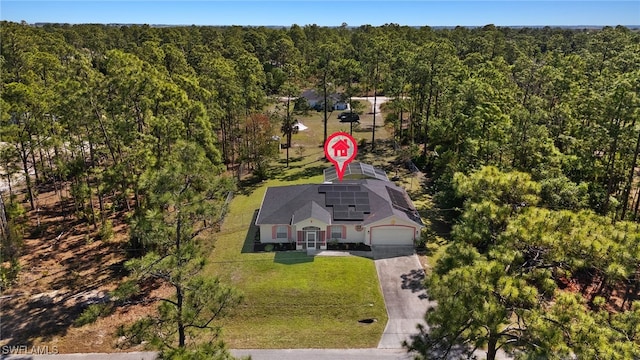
(340, 215)
(398, 199)
(349, 202)
(331, 201)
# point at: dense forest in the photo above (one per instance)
(529, 137)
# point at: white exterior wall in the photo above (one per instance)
(310, 222)
(354, 236)
(266, 234)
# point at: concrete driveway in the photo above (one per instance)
(401, 277)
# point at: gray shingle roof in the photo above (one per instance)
(312, 210)
(299, 202)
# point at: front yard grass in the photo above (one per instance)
(292, 300)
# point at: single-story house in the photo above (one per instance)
(316, 100)
(369, 211)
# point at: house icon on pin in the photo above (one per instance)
(340, 148)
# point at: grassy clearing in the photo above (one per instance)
(293, 300)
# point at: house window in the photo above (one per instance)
(336, 232)
(282, 232)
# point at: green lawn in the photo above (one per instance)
(292, 300)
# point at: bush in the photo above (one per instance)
(8, 274)
(11, 243)
(92, 313)
(425, 237)
(106, 231)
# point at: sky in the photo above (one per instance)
(326, 12)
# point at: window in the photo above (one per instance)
(336, 232)
(282, 232)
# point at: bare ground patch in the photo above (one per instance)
(65, 267)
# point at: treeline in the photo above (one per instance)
(561, 104)
(102, 110)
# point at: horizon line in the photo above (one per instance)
(311, 24)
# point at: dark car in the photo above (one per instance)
(349, 117)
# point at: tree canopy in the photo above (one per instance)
(530, 136)
(534, 281)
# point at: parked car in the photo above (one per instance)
(349, 117)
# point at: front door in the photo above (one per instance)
(311, 239)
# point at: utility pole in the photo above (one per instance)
(375, 98)
(288, 127)
(324, 86)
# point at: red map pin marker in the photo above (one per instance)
(340, 148)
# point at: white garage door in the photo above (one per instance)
(392, 235)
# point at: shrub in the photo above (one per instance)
(425, 237)
(11, 243)
(8, 274)
(106, 231)
(92, 313)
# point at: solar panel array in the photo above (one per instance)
(349, 202)
(399, 200)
